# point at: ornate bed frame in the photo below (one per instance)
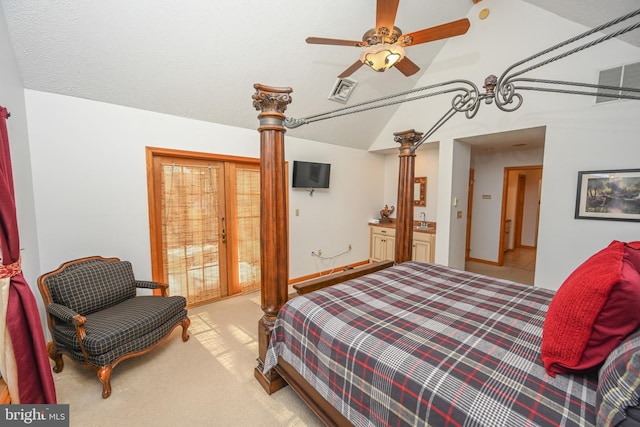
(272, 102)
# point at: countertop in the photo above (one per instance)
(430, 230)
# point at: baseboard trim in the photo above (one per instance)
(483, 261)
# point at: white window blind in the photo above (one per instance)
(625, 76)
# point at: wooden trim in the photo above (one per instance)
(327, 272)
(472, 174)
(484, 261)
(197, 155)
(332, 279)
(503, 215)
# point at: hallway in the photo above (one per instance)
(518, 266)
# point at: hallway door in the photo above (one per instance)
(520, 192)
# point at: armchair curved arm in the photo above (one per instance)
(69, 316)
(147, 284)
(65, 314)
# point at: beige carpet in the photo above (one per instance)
(207, 381)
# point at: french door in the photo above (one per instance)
(204, 223)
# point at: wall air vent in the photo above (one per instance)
(623, 76)
(342, 90)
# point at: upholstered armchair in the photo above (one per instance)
(97, 319)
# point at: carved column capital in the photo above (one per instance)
(272, 103)
(407, 139)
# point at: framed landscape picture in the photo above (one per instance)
(609, 194)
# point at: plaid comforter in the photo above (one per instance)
(422, 344)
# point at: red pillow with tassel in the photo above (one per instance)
(594, 310)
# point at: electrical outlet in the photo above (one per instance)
(319, 252)
(349, 246)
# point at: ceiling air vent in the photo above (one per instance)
(623, 76)
(342, 89)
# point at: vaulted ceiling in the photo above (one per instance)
(200, 58)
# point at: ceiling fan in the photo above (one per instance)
(384, 44)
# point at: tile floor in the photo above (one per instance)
(518, 265)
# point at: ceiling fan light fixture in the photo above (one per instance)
(383, 56)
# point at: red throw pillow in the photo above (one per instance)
(593, 311)
(632, 250)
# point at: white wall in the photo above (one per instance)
(457, 206)
(90, 184)
(12, 98)
(579, 134)
(425, 164)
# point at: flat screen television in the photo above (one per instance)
(310, 175)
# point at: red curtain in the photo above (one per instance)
(35, 381)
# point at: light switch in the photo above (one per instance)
(297, 212)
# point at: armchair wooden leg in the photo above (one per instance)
(55, 356)
(185, 325)
(104, 374)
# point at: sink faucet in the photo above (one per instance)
(423, 223)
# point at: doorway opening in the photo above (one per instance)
(517, 241)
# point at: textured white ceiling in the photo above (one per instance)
(200, 58)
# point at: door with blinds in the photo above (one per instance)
(204, 223)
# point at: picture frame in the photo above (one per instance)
(420, 191)
(608, 195)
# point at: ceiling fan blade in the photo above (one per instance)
(439, 32)
(334, 42)
(386, 13)
(352, 69)
(407, 67)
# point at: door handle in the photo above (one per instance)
(224, 231)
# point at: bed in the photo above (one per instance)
(467, 349)
(424, 344)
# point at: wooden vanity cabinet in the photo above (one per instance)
(382, 244)
(423, 247)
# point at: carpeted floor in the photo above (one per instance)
(207, 381)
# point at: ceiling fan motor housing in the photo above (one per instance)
(383, 35)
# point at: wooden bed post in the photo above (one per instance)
(404, 217)
(274, 223)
